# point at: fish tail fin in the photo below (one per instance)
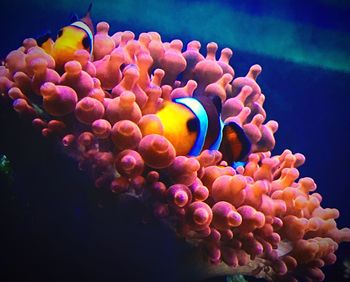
(74, 16)
(235, 145)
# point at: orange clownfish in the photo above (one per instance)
(194, 124)
(78, 35)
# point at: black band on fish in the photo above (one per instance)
(217, 142)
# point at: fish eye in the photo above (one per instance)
(86, 42)
(60, 32)
(193, 124)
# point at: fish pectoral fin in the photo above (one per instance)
(46, 43)
(235, 145)
(43, 38)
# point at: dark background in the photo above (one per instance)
(51, 226)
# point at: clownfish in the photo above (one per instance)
(194, 124)
(78, 35)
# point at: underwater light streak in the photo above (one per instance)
(265, 35)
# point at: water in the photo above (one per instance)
(52, 229)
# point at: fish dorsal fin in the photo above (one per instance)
(89, 9)
(87, 19)
(73, 18)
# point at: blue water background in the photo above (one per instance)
(51, 228)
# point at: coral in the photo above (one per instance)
(259, 219)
